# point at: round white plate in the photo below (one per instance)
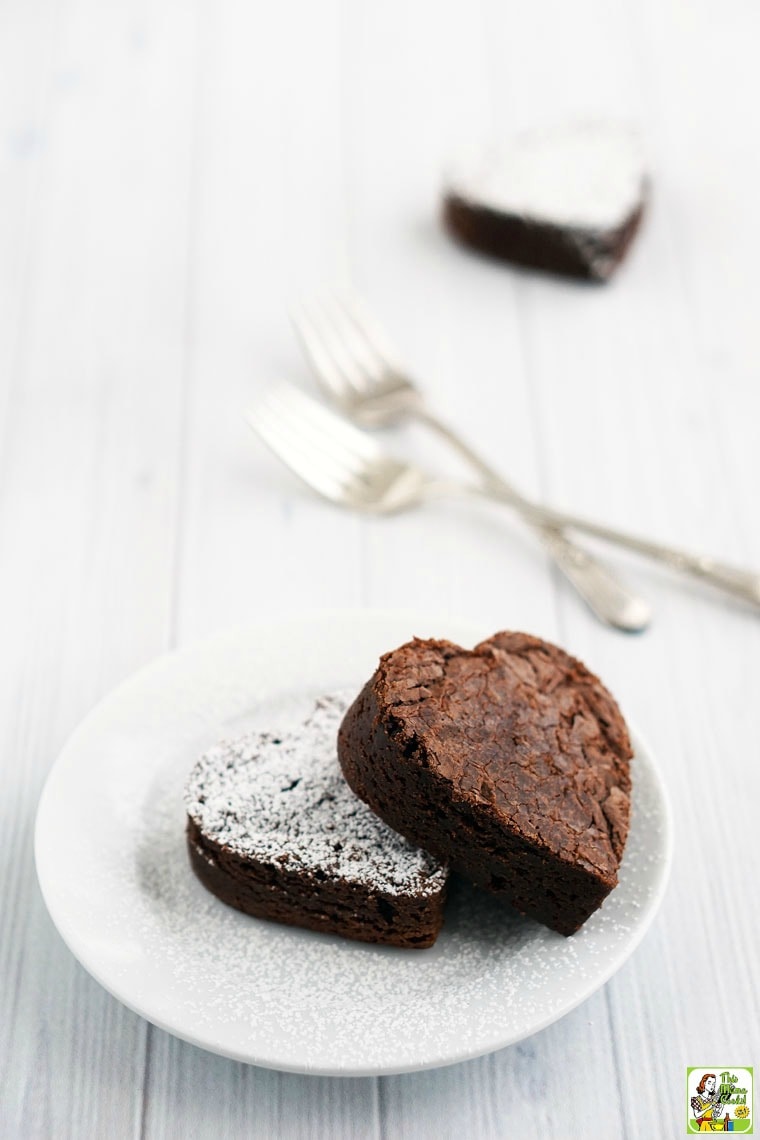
(114, 873)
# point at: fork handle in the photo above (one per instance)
(732, 580)
(599, 585)
(603, 591)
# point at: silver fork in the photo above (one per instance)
(344, 464)
(357, 371)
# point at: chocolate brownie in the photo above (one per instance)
(274, 830)
(564, 200)
(510, 761)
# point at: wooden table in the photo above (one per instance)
(171, 174)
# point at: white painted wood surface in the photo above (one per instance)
(170, 174)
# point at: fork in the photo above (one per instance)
(348, 467)
(357, 372)
(356, 368)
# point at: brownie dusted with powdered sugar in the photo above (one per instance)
(274, 830)
(567, 200)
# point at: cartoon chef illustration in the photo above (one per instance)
(706, 1105)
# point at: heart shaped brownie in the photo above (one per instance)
(274, 830)
(511, 761)
(565, 199)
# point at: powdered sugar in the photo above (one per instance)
(589, 176)
(283, 799)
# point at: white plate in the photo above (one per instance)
(114, 873)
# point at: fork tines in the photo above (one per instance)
(317, 444)
(344, 347)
